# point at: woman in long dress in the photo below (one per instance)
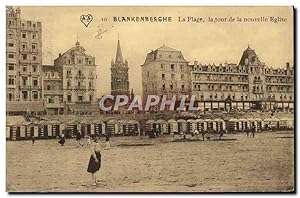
(95, 160)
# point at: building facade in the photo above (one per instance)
(53, 89)
(247, 85)
(119, 74)
(24, 58)
(166, 72)
(79, 75)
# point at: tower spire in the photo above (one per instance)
(119, 57)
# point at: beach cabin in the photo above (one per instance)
(271, 123)
(234, 124)
(150, 124)
(211, 125)
(132, 128)
(161, 126)
(113, 127)
(245, 124)
(172, 126)
(220, 124)
(182, 126)
(97, 127)
(201, 125)
(53, 128)
(191, 125)
(13, 127)
(71, 129)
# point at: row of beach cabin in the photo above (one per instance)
(18, 128)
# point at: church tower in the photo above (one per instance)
(119, 74)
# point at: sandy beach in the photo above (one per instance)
(264, 163)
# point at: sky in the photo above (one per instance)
(206, 42)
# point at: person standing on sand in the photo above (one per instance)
(62, 140)
(78, 138)
(32, 139)
(107, 143)
(253, 131)
(95, 160)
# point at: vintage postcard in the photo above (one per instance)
(150, 99)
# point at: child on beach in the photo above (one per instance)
(62, 140)
(107, 143)
(95, 160)
(32, 139)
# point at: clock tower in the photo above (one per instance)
(119, 74)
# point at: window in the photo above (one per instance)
(69, 98)
(48, 87)
(163, 86)
(163, 76)
(33, 36)
(23, 35)
(24, 46)
(91, 98)
(11, 66)
(171, 87)
(33, 46)
(11, 56)
(181, 67)
(172, 76)
(34, 68)
(25, 95)
(68, 83)
(11, 81)
(33, 57)
(35, 95)
(162, 67)
(10, 44)
(172, 67)
(24, 68)
(182, 76)
(10, 96)
(24, 56)
(35, 82)
(182, 86)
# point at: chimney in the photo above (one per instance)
(59, 55)
(287, 65)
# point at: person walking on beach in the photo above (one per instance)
(95, 160)
(107, 142)
(78, 138)
(62, 139)
(32, 139)
(253, 131)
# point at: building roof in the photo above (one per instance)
(165, 53)
(14, 120)
(119, 57)
(25, 106)
(167, 49)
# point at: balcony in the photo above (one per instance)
(258, 81)
(258, 91)
(69, 76)
(53, 92)
(54, 105)
(80, 87)
(80, 76)
(10, 86)
(36, 87)
(25, 86)
(11, 72)
(25, 61)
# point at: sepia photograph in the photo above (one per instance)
(150, 99)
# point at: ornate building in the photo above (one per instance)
(23, 57)
(119, 74)
(250, 84)
(53, 89)
(165, 72)
(79, 75)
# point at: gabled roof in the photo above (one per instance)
(166, 49)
